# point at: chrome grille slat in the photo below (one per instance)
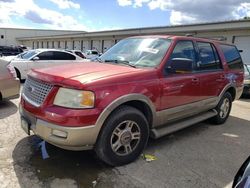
(35, 91)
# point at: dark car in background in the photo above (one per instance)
(246, 90)
(10, 50)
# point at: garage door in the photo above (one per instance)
(243, 43)
(69, 45)
(77, 45)
(85, 45)
(106, 45)
(96, 45)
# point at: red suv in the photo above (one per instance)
(143, 86)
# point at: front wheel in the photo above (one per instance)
(223, 109)
(123, 137)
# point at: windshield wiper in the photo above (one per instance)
(120, 61)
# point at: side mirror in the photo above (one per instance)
(35, 58)
(180, 65)
(240, 51)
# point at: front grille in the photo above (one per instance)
(35, 91)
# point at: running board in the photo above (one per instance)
(165, 130)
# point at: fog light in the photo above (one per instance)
(59, 133)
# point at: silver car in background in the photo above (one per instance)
(9, 83)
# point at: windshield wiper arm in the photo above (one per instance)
(120, 61)
(98, 59)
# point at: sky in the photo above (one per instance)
(99, 15)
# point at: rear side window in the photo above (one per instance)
(208, 57)
(232, 56)
(63, 56)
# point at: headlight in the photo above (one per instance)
(72, 98)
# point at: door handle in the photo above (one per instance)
(195, 80)
(221, 78)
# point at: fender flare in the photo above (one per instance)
(119, 101)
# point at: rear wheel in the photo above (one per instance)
(223, 109)
(123, 137)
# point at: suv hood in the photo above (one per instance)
(77, 74)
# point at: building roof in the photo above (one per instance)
(209, 26)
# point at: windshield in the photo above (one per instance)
(141, 52)
(21, 54)
(29, 54)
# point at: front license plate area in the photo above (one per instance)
(25, 125)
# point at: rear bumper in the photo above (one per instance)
(10, 88)
(74, 138)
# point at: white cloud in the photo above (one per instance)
(162, 4)
(48, 18)
(243, 10)
(139, 3)
(65, 4)
(191, 11)
(177, 18)
(124, 2)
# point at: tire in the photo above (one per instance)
(18, 74)
(116, 145)
(223, 111)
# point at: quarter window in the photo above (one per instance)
(232, 56)
(209, 59)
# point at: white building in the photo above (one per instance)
(237, 32)
(8, 36)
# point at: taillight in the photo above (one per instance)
(12, 71)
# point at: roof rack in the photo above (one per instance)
(189, 35)
(221, 38)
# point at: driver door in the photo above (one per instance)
(180, 90)
(42, 60)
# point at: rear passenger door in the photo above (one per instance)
(209, 71)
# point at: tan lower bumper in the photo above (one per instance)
(75, 138)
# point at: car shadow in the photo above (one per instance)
(7, 108)
(80, 167)
(245, 98)
(179, 150)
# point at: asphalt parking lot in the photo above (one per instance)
(200, 156)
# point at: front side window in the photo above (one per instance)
(232, 56)
(208, 57)
(141, 52)
(182, 58)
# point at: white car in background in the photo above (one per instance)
(41, 58)
(91, 54)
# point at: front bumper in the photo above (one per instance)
(76, 138)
